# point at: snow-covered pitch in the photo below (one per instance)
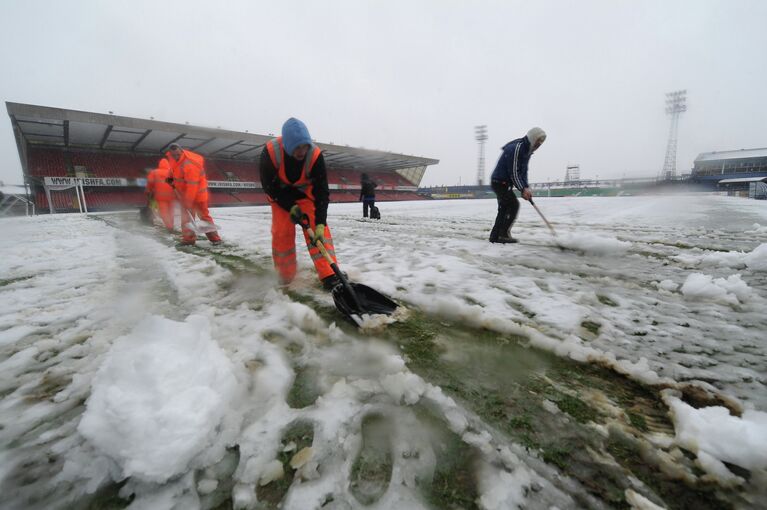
(123, 357)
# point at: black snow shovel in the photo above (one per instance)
(352, 299)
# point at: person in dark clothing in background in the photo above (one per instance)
(295, 179)
(511, 171)
(367, 194)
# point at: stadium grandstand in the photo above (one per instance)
(84, 161)
(736, 171)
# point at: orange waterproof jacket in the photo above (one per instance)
(304, 183)
(189, 178)
(157, 184)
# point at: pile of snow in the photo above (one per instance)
(592, 243)
(667, 285)
(159, 397)
(716, 436)
(704, 287)
(755, 260)
(757, 229)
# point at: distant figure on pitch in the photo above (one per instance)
(159, 191)
(368, 196)
(511, 171)
(191, 188)
(294, 178)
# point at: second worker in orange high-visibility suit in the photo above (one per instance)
(191, 188)
(294, 178)
(157, 187)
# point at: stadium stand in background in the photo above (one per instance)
(76, 161)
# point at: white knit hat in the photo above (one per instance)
(535, 134)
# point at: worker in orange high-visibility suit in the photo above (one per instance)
(157, 188)
(295, 180)
(191, 188)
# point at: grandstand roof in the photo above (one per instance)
(737, 154)
(58, 127)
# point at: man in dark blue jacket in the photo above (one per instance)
(511, 171)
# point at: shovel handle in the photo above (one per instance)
(304, 222)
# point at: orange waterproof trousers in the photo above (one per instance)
(284, 243)
(165, 209)
(200, 210)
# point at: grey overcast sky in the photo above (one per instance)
(412, 76)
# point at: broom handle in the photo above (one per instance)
(543, 217)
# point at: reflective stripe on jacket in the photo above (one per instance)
(189, 177)
(277, 155)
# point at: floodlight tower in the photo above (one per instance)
(480, 134)
(573, 173)
(676, 103)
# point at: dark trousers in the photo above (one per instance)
(508, 207)
(367, 202)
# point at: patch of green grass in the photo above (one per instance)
(8, 281)
(522, 422)
(557, 454)
(108, 498)
(676, 495)
(575, 407)
(371, 471)
(591, 326)
(637, 420)
(304, 391)
(49, 386)
(606, 300)
(453, 485)
(470, 300)
(416, 339)
(301, 433)
(528, 441)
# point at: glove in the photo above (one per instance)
(319, 233)
(169, 180)
(296, 214)
(527, 194)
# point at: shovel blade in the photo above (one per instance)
(371, 301)
(201, 227)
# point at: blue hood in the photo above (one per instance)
(294, 133)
